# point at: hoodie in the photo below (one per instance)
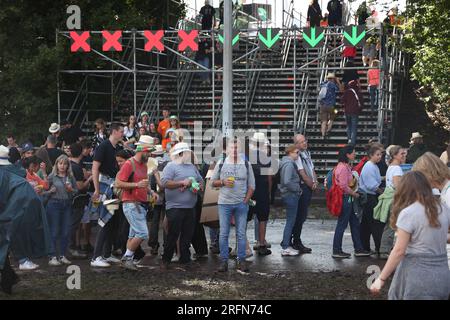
(289, 178)
(349, 100)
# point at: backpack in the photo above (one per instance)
(335, 198)
(119, 191)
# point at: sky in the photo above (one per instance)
(300, 6)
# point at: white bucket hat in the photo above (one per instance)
(54, 127)
(4, 156)
(158, 150)
(180, 147)
(145, 141)
(259, 137)
(331, 75)
(416, 135)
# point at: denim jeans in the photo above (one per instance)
(291, 202)
(240, 212)
(352, 126)
(302, 212)
(136, 217)
(347, 216)
(373, 93)
(59, 215)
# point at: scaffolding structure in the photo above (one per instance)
(114, 85)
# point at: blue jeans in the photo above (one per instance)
(291, 203)
(302, 213)
(352, 126)
(347, 215)
(240, 212)
(373, 92)
(59, 214)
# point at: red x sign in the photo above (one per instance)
(188, 40)
(154, 40)
(80, 41)
(112, 42)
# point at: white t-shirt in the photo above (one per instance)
(304, 161)
(393, 171)
(424, 238)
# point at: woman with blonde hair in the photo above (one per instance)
(59, 208)
(419, 257)
(438, 174)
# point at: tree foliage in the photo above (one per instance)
(29, 56)
(428, 40)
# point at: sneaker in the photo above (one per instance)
(64, 260)
(128, 264)
(289, 251)
(256, 246)
(137, 262)
(223, 266)
(242, 266)
(99, 262)
(301, 248)
(341, 255)
(28, 265)
(361, 253)
(263, 251)
(54, 262)
(112, 259)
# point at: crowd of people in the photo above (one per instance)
(129, 177)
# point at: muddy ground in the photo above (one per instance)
(310, 276)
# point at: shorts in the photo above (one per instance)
(136, 217)
(327, 113)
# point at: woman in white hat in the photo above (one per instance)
(177, 179)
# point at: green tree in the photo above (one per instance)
(428, 40)
(29, 56)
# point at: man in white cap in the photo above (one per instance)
(327, 102)
(416, 149)
(178, 179)
(133, 179)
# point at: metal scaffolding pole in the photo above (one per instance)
(134, 74)
(227, 113)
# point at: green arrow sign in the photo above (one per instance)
(233, 42)
(354, 39)
(312, 40)
(268, 41)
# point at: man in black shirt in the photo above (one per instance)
(104, 170)
(49, 152)
(208, 16)
(71, 134)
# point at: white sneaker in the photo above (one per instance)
(289, 252)
(112, 259)
(99, 262)
(28, 265)
(64, 260)
(54, 262)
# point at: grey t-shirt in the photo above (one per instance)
(243, 179)
(424, 238)
(177, 172)
(60, 184)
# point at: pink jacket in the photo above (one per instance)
(343, 177)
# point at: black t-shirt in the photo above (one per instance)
(77, 171)
(106, 155)
(71, 135)
(208, 13)
(53, 154)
